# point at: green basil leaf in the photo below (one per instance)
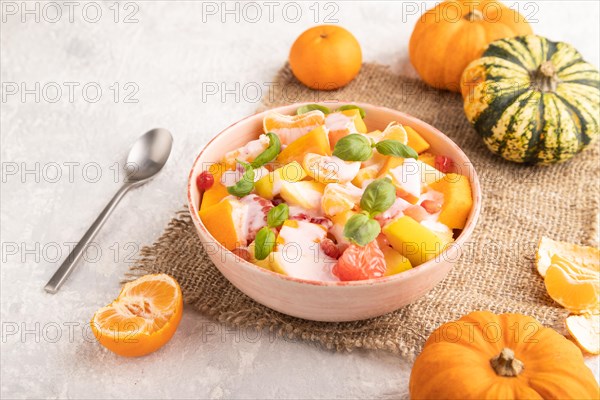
(277, 215)
(395, 148)
(378, 196)
(361, 229)
(245, 185)
(311, 107)
(363, 114)
(353, 147)
(269, 153)
(264, 243)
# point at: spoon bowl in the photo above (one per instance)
(148, 155)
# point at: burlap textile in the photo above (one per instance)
(496, 273)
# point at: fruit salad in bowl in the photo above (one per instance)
(307, 208)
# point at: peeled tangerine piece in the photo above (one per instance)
(315, 141)
(299, 252)
(585, 256)
(270, 185)
(248, 152)
(575, 288)
(343, 123)
(394, 261)
(329, 169)
(458, 200)
(393, 131)
(585, 329)
(413, 240)
(305, 194)
(338, 198)
(365, 176)
(291, 127)
(225, 221)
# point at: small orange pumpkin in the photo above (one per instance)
(507, 356)
(453, 33)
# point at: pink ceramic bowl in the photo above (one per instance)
(331, 301)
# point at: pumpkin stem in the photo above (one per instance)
(546, 78)
(474, 15)
(505, 363)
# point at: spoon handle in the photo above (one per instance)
(63, 272)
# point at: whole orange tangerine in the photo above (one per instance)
(325, 57)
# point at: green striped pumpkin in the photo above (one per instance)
(532, 100)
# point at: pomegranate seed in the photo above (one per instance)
(431, 206)
(300, 217)
(205, 180)
(326, 222)
(330, 248)
(242, 253)
(277, 201)
(443, 163)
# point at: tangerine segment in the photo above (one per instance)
(291, 127)
(326, 169)
(585, 256)
(395, 131)
(572, 286)
(343, 123)
(365, 176)
(142, 319)
(585, 329)
(392, 132)
(338, 198)
(359, 123)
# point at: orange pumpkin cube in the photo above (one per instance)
(458, 200)
(413, 240)
(416, 141)
(217, 191)
(220, 221)
(315, 141)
